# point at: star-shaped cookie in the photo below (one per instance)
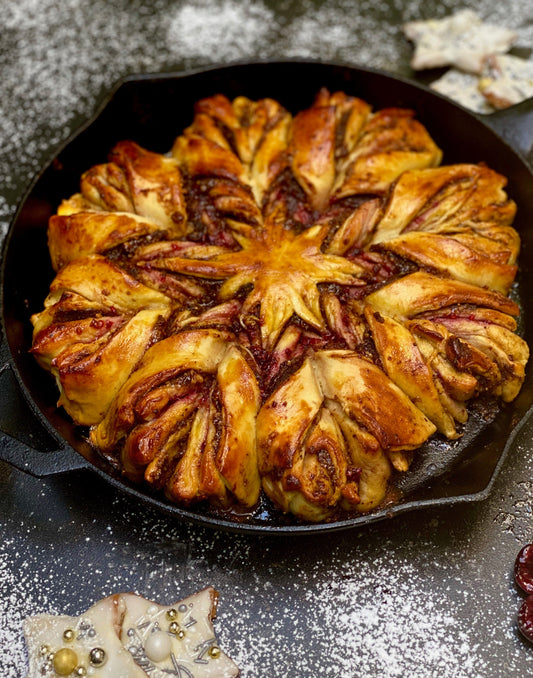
(127, 636)
(506, 80)
(463, 40)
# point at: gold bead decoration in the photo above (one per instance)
(172, 614)
(80, 671)
(214, 651)
(97, 657)
(69, 635)
(176, 629)
(65, 661)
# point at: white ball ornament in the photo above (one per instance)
(158, 646)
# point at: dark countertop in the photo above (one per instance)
(425, 594)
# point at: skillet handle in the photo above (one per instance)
(24, 442)
(515, 125)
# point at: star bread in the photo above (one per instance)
(232, 323)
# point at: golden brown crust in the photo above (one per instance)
(74, 236)
(391, 143)
(242, 315)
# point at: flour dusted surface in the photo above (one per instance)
(407, 597)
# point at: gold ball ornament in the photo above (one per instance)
(214, 651)
(69, 635)
(80, 672)
(64, 661)
(97, 657)
(176, 629)
(172, 614)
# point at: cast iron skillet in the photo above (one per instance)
(152, 110)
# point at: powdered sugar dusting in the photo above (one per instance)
(227, 28)
(343, 34)
(419, 596)
(406, 597)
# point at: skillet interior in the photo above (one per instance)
(152, 110)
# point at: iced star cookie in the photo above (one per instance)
(127, 636)
(464, 89)
(506, 80)
(462, 40)
(175, 640)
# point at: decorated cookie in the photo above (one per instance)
(506, 80)
(127, 636)
(464, 89)
(177, 639)
(79, 646)
(462, 40)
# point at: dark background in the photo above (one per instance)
(427, 594)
